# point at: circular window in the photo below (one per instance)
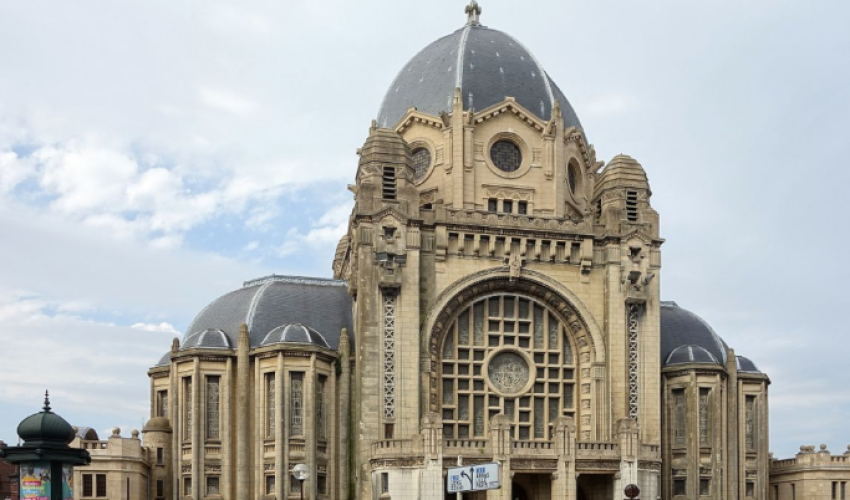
(572, 177)
(421, 162)
(506, 156)
(508, 372)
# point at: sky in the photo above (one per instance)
(154, 155)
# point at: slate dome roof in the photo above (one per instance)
(270, 302)
(680, 327)
(486, 64)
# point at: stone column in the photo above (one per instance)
(344, 413)
(243, 445)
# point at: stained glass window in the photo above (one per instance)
(213, 405)
(296, 408)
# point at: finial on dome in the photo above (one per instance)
(473, 11)
(46, 408)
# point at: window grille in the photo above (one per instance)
(187, 486)
(213, 407)
(481, 378)
(212, 485)
(750, 422)
(679, 417)
(101, 485)
(296, 409)
(389, 355)
(679, 486)
(634, 374)
(270, 484)
(88, 486)
(270, 405)
(187, 405)
(703, 417)
(320, 408)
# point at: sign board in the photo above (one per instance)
(473, 478)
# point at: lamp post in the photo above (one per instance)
(45, 459)
(301, 472)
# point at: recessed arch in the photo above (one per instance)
(545, 290)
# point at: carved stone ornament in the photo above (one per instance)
(534, 464)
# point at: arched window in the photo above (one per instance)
(508, 354)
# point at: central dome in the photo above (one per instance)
(486, 64)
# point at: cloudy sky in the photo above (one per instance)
(153, 155)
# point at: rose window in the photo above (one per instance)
(506, 354)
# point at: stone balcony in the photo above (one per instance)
(474, 450)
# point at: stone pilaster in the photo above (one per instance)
(344, 414)
(243, 435)
(280, 446)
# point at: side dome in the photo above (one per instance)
(688, 354)
(211, 338)
(266, 303)
(680, 327)
(296, 334)
(746, 365)
(165, 360)
(487, 65)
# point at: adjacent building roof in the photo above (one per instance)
(486, 64)
(275, 301)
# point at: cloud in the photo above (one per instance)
(161, 327)
(83, 363)
(325, 233)
(227, 101)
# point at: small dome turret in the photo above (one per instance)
(295, 333)
(211, 338)
(45, 427)
(688, 354)
(746, 365)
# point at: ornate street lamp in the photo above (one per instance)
(45, 460)
(301, 472)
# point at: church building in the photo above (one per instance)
(494, 300)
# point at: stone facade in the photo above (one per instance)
(495, 299)
(811, 475)
(120, 467)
